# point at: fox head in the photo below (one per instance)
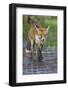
(41, 34)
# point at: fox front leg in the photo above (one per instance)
(39, 54)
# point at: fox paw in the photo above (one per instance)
(28, 53)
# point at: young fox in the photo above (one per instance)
(36, 35)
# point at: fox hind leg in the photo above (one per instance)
(28, 45)
(28, 49)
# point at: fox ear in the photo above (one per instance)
(47, 28)
(37, 28)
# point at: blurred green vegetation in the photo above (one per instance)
(45, 21)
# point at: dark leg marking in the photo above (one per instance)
(39, 54)
(28, 45)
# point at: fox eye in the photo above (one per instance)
(44, 35)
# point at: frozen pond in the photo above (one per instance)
(47, 65)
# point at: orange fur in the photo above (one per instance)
(33, 32)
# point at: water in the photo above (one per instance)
(47, 65)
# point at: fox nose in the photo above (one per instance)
(43, 40)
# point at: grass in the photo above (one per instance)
(52, 35)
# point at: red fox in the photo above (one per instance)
(36, 35)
